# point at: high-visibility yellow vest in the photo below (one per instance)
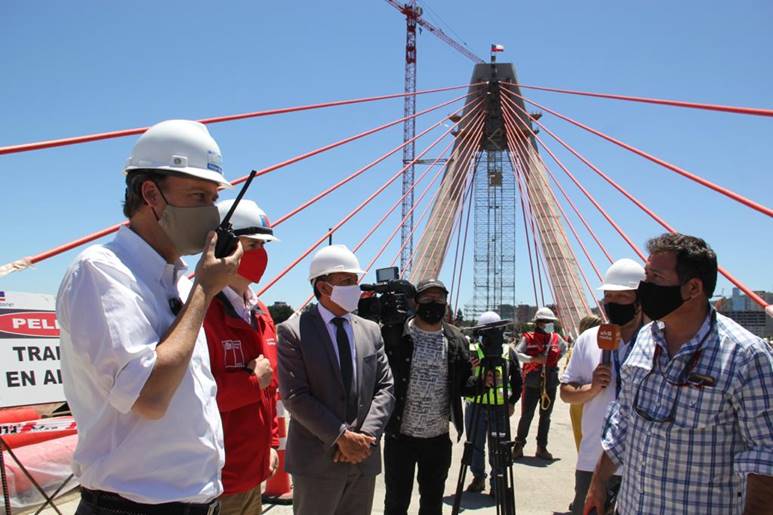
(496, 393)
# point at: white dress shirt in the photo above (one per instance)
(113, 308)
(242, 305)
(328, 317)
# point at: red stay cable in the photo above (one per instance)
(390, 211)
(39, 145)
(555, 255)
(365, 168)
(528, 244)
(522, 150)
(458, 187)
(587, 194)
(454, 189)
(528, 221)
(574, 208)
(576, 237)
(539, 254)
(477, 123)
(26, 262)
(665, 164)
(541, 250)
(357, 209)
(458, 291)
(743, 287)
(755, 111)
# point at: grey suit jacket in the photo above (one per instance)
(313, 392)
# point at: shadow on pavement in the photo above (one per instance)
(471, 501)
(531, 461)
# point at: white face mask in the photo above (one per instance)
(549, 328)
(347, 297)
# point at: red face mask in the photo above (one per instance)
(253, 264)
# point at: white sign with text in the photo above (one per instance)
(29, 350)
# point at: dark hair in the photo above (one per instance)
(694, 258)
(317, 294)
(588, 322)
(133, 200)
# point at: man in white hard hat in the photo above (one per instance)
(594, 385)
(479, 411)
(242, 350)
(135, 364)
(337, 385)
(539, 352)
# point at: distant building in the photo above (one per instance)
(747, 313)
(524, 313)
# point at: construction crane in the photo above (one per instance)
(412, 13)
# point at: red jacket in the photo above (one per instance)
(248, 413)
(535, 346)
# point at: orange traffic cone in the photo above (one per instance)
(279, 490)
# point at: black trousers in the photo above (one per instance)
(402, 455)
(531, 399)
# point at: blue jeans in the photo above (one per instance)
(485, 423)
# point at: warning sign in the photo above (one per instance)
(29, 350)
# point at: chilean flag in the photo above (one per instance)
(495, 47)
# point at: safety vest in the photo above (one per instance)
(498, 390)
(536, 345)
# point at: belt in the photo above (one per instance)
(114, 501)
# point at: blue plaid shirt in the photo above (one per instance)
(696, 460)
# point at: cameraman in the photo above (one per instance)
(479, 410)
(432, 371)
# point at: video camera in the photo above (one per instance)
(492, 337)
(389, 304)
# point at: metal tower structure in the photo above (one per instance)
(412, 13)
(495, 236)
(494, 218)
(409, 131)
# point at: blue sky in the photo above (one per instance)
(74, 68)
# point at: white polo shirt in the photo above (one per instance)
(586, 356)
(113, 308)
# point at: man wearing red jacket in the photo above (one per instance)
(242, 349)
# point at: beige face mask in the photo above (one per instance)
(187, 227)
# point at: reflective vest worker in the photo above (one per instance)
(483, 417)
(539, 352)
(242, 350)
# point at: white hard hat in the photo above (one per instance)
(489, 317)
(544, 314)
(624, 274)
(248, 220)
(181, 146)
(332, 259)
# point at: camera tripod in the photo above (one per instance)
(498, 436)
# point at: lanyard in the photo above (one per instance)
(618, 364)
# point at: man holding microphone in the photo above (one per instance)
(591, 377)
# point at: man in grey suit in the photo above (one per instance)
(336, 383)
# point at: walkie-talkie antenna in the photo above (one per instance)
(226, 239)
(227, 219)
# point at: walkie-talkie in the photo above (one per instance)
(226, 239)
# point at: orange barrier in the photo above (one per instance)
(18, 415)
(25, 438)
(279, 489)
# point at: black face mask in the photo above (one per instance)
(432, 312)
(620, 314)
(658, 301)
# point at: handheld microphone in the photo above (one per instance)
(608, 339)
